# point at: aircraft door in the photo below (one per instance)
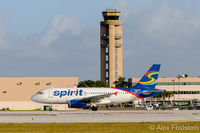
(84, 93)
(135, 90)
(50, 93)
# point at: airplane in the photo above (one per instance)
(91, 98)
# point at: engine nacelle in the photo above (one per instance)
(77, 104)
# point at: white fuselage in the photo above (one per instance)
(64, 95)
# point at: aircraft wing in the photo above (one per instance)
(93, 98)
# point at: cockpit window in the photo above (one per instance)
(40, 92)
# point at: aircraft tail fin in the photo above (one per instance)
(149, 80)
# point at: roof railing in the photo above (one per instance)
(111, 10)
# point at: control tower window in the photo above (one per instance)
(111, 17)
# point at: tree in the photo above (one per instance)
(185, 75)
(158, 96)
(169, 94)
(165, 94)
(99, 83)
(121, 82)
(91, 83)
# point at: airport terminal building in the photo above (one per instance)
(184, 90)
(16, 92)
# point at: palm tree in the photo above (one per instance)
(170, 94)
(158, 96)
(162, 95)
(165, 94)
(121, 82)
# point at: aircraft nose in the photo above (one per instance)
(34, 98)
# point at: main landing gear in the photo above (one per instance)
(94, 108)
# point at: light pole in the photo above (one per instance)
(179, 76)
(173, 90)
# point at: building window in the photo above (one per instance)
(178, 83)
(116, 76)
(20, 83)
(115, 50)
(38, 83)
(107, 74)
(106, 65)
(107, 57)
(115, 58)
(116, 67)
(186, 92)
(107, 50)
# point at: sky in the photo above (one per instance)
(61, 37)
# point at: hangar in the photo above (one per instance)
(16, 92)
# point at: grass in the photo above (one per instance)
(140, 127)
(19, 110)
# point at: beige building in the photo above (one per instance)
(16, 92)
(184, 89)
(111, 46)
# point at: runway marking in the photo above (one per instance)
(192, 120)
(108, 114)
(16, 114)
(195, 113)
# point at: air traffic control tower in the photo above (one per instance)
(111, 47)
